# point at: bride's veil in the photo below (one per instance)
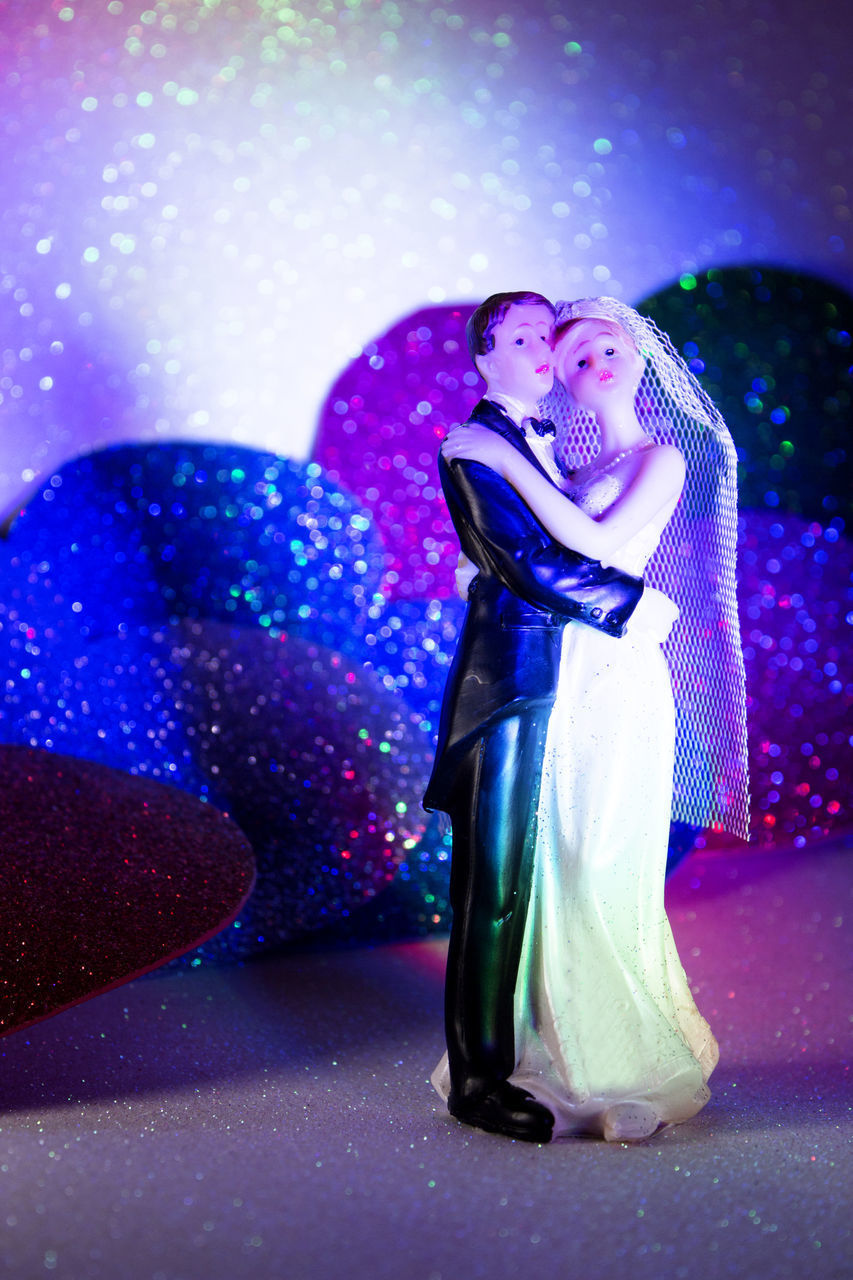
(694, 564)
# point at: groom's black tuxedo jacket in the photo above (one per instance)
(527, 588)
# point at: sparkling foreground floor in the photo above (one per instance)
(275, 1121)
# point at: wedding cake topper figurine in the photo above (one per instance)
(567, 1010)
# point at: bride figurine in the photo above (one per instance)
(608, 1036)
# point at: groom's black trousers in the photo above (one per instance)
(493, 812)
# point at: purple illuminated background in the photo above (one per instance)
(210, 208)
(257, 230)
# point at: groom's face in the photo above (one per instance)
(520, 363)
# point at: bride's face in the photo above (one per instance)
(599, 364)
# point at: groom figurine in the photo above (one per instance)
(494, 716)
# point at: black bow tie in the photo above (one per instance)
(543, 428)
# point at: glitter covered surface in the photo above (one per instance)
(796, 615)
(774, 350)
(103, 877)
(210, 206)
(273, 1118)
(208, 616)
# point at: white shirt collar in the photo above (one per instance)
(514, 408)
(542, 446)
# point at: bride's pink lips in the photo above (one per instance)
(605, 376)
(544, 368)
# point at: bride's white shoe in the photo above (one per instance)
(630, 1122)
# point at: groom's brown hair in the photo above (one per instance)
(490, 313)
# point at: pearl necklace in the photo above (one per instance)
(645, 443)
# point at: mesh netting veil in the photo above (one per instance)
(694, 564)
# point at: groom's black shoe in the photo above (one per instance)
(505, 1109)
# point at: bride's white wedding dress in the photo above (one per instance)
(607, 1033)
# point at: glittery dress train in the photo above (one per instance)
(607, 1033)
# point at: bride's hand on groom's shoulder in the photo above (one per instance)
(477, 444)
